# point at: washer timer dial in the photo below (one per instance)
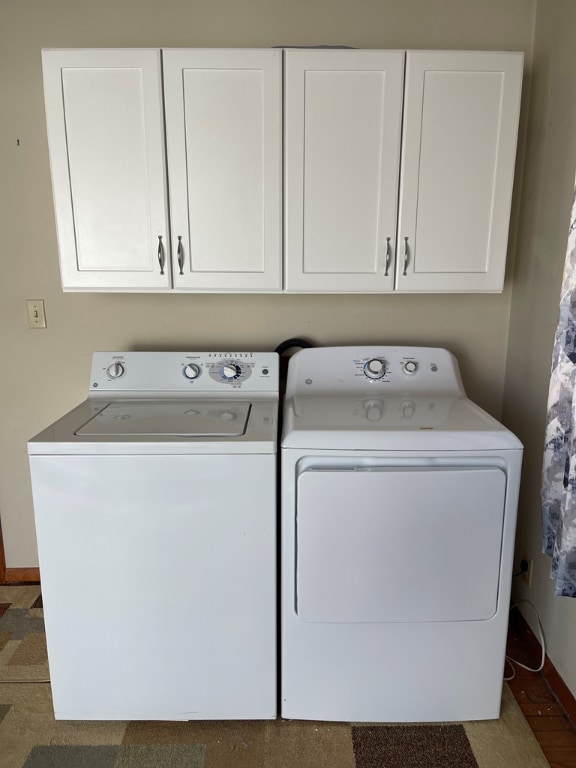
(231, 371)
(375, 368)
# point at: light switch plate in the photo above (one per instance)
(36, 313)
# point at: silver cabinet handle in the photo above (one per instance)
(161, 254)
(388, 256)
(406, 256)
(180, 255)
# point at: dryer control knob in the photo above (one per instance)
(410, 367)
(191, 371)
(375, 368)
(115, 370)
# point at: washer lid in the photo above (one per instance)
(398, 422)
(184, 418)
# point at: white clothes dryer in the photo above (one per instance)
(155, 508)
(399, 500)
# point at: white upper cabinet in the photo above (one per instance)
(224, 133)
(343, 121)
(398, 169)
(223, 138)
(458, 152)
(361, 218)
(105, 133)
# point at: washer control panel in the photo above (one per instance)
(373, 369)
(208, 372)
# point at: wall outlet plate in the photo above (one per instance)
(526, 568)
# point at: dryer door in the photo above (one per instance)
(402, 544)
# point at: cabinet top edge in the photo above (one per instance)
(295, 49)
(464, 52)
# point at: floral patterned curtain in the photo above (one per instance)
(559, 470)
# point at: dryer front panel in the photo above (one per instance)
(399, 544)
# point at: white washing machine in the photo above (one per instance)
(399, 501)
(155, 507)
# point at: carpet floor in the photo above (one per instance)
(31, 738)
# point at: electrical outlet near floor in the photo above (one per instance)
(526, 567)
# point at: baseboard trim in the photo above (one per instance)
(22, 576)
(549, 671)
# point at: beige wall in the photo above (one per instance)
(550, 165)
(44, 373)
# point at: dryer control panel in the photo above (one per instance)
(202, 372)
(334, 370)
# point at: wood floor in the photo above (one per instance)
(553, 728)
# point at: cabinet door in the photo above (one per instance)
(223, 131)
(105, 135)
(343, 113)
(458, 152)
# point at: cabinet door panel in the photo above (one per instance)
(342, 138)
(459, 145)
(104, 116)
(224, 157)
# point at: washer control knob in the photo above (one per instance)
(231, 371)
(410, 367)
(375, 368)
(191, 371)
(115, 370)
